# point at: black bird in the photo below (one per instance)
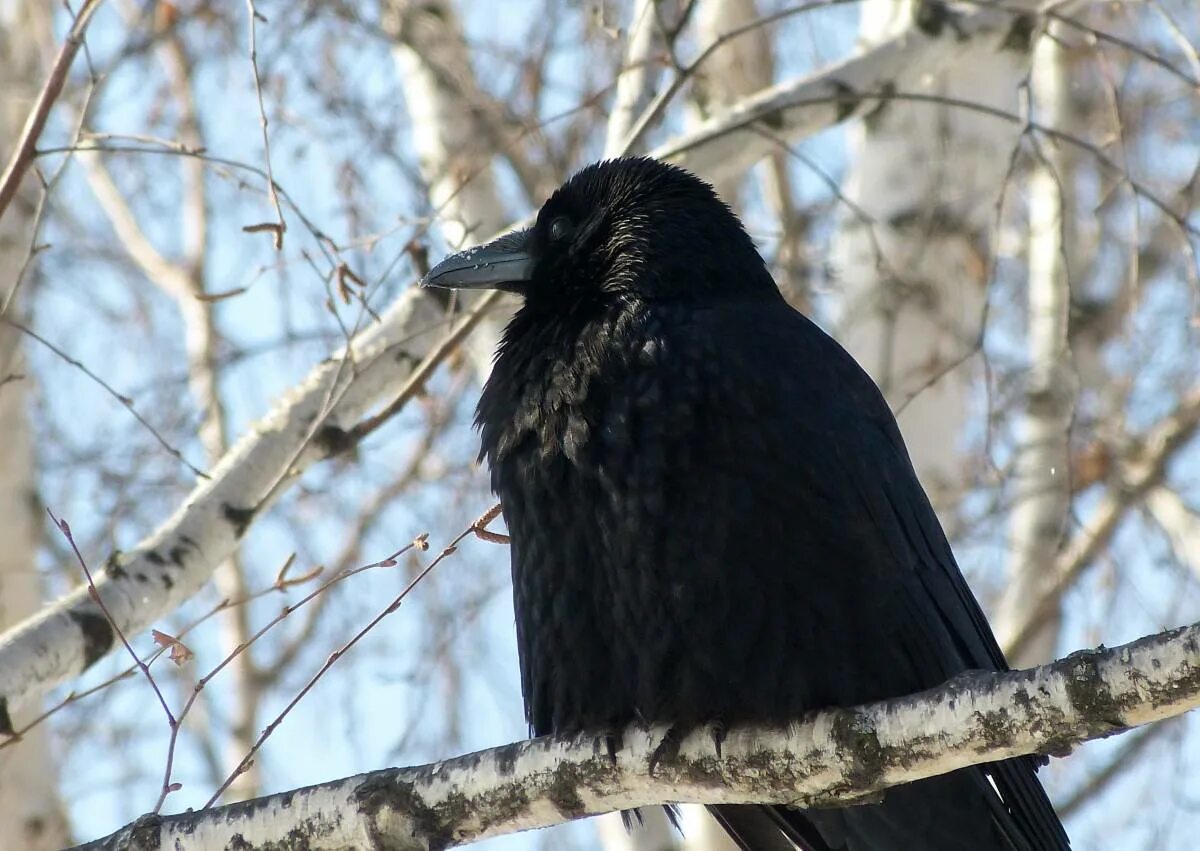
(713, 514)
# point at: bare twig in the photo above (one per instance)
(422, 544)
(279, 227)
(26, 148)
(95, 594)
(124, 400)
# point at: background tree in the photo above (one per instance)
(994, 209)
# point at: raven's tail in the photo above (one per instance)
(960, 811)
(758, 827)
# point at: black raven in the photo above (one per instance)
(713, 514)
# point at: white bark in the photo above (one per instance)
(634, 81)
(837, 755)
(911, 277)
(30, 808)
(1042, 497)
(434, 64)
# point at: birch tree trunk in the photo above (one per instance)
(910, 263)
(30, 809)
(1042, 496)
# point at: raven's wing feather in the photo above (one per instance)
(818, 504)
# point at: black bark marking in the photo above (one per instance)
(773, 120)
(146, 832)
(6, 724)
(112, 565)
(506, 758)
(855, 734)
(154, 558)
(333, 440)
(564, 790)
(1090, 694)
(847, 98)
(1020, 35)
(376, 793)
(875, 114)
(998, 728)
(98, 635)
(239, 518)
(931, 17)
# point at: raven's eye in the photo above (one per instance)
(560, 229)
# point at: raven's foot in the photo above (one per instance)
(717, 730)
(667, 749)
(613, 741)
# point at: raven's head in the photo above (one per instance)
(619, 228)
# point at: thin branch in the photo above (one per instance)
(125, 401)
(281, 582)
(477, 528)
(280, 226)
(26, 148)
(99, 600)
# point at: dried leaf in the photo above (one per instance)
(178, 653)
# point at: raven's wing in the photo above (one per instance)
(797, 500)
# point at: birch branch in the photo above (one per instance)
(837, 756)
(731, 142)
(634, 81)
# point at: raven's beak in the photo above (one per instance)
(505, 263)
